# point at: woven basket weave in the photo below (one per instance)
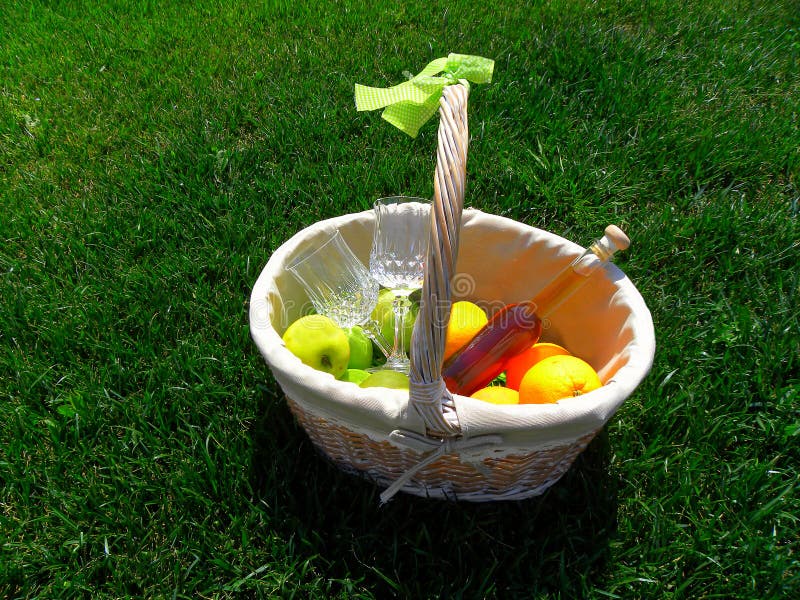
(429, 442)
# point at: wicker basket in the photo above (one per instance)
(430, 442)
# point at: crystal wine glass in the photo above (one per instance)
(397, 260)
(340, 286)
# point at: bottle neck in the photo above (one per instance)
(572, 277)
(604, 249)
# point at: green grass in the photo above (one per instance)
(153, 156)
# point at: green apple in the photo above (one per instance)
(383, 313)
(320, 343)
(354, 376)
(360, 348)
(386, 378)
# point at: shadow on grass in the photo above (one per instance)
(415, 547)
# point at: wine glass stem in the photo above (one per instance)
(373, 331)
(398, 360)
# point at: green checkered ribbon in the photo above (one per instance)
(410, 104)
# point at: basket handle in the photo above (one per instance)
(428, 394)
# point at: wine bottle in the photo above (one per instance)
(518, 326)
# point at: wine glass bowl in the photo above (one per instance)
(337, 283)
(400, 243)
(339, 286)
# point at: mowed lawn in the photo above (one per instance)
(152, 157)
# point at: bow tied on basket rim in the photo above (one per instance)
(410, 104)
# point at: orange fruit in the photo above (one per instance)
(518, 365)
(466, 319)
(497, 394)
(557, 377)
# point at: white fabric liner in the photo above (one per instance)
(500, 261)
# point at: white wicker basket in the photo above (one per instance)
(430, 442)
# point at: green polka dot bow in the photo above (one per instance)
(410, 104)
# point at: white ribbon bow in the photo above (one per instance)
(435, 450)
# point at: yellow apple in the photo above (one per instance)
(320, 343)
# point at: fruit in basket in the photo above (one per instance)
(518, 365)
(388, 379)
(497, 394)
(360, 348)
(354, 376)
(557, 377)
(383, 314)
(466, 319)
(320, 343)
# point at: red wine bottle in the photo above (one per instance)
(518, 326)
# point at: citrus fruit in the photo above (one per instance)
(466, 319)
(497, 394)
(388, 379)
(557, 377)
(354, 376)
(518, 365)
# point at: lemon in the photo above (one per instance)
(466, 319)
(354, 376)
(497, 394)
